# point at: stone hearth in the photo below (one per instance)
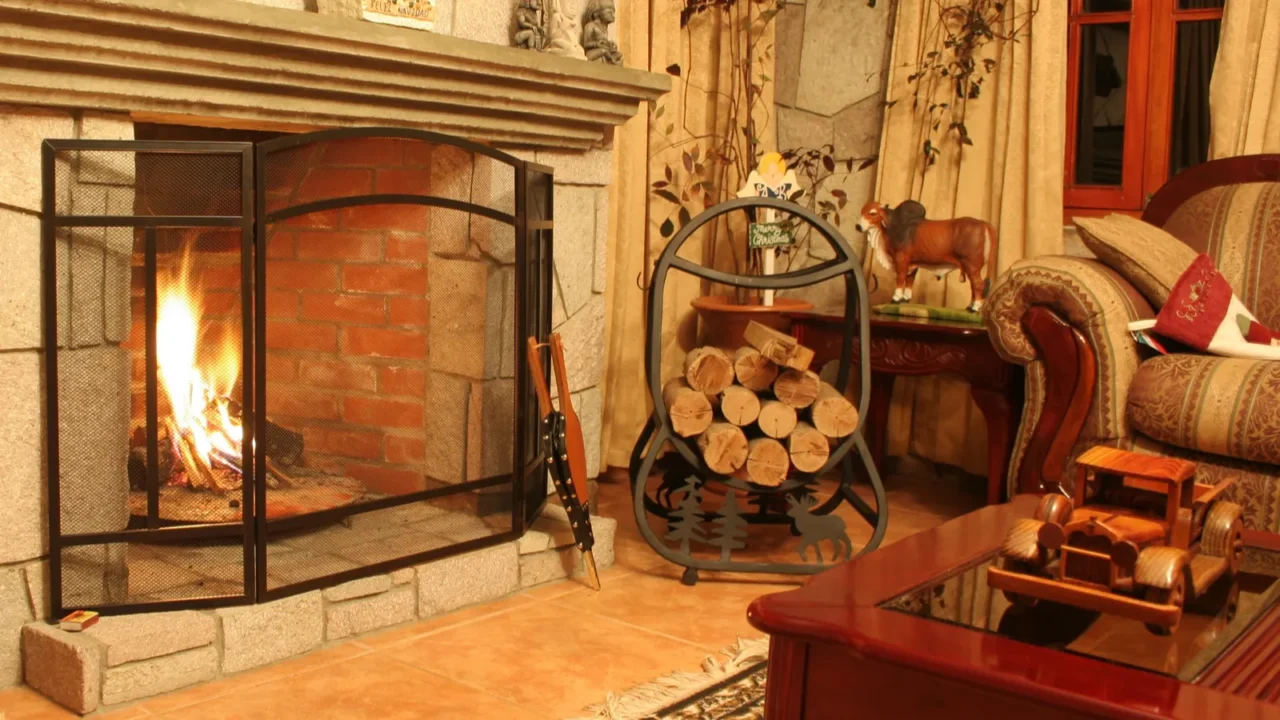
(91, 69)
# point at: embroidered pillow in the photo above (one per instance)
(1144, 254)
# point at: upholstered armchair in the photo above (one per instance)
(1089, 382)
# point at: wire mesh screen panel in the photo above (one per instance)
(145, 248)
(389, 296)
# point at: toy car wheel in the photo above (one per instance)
(1021, 567)
(1223, 534)
(1175, 595)
(1053, 508)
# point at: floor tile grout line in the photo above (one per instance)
(463, 623)
(457, 681)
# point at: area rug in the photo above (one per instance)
(733, 690)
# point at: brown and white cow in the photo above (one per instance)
(902, 240)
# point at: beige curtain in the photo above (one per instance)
(1244, 96)
(697, 106)
(1010, 176)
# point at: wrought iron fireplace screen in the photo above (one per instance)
(278, 366)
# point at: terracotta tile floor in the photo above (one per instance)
(513, 658)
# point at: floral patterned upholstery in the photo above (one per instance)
(1222, 413)
(1224, 406)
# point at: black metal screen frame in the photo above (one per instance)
(520, 518)
(534, 229)
(51, 222)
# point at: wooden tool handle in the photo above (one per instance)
(539, 377)
(562, 375)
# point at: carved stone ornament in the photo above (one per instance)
(595, 32)
(563, 31)
(531, 29)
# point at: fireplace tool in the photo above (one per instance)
(561, 438)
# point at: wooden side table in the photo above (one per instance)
(918, 347)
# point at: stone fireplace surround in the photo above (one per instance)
(89, 69)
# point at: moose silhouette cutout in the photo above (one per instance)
(814, 529)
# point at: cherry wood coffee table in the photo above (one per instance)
(905, 346)
(912, 631)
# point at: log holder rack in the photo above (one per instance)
(680, 499)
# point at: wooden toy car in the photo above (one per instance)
(1145, 541)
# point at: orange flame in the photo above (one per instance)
(195, 396)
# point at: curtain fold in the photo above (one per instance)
(1011, 176)
(697, 106)
(1244, 95)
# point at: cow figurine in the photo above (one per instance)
(903, 241)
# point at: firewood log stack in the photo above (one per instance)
(759, 413)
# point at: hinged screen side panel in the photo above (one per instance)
(536, 322)
(388, 296)
(145, 246)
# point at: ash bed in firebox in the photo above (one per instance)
(304, 366)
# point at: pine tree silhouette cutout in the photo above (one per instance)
(731, 527)
(684, 524)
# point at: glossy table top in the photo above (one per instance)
(847, 606)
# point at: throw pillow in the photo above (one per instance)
(1145, 255)
(1205, 314)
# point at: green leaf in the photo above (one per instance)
(765, 77)
(687, 160)
(829, 163)
(671, 128)
(674, 69)
(668, 196)
(658, 113)
(668, 228)
(868, 162)
(684, 217)
(658, 185)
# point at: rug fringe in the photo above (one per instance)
(646, 699)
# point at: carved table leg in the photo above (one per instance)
(878, 412)
(1002, 425)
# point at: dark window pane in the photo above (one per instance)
(1197, 46)
(1110, 5)
(1200, 4)
(1104, 62)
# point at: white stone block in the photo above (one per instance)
(593, 167)
(403, 576)
(444, 17)
(20, 292)
(22, 131)
(835, 72)
(461, 580)
(62, 666)
(600, 279)
(262, 634)
(358, 588)
(15, 611)
(583, 336)
(22, 480)
(159, 675)
(374, 612)
(483, 20)
(129, 638)
(37, 575)
(575, 245)
(587, 404)
(446, 427)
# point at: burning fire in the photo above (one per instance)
(204, 433)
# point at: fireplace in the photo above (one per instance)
(275, 366)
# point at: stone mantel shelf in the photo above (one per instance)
(234, 64)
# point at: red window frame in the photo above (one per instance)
(1148, 104)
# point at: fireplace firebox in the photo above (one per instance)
(277, 366)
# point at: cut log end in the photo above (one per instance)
(832, 413)
(739, 405)
(689, 410)
(809, 449)
(797, 388)
(708, 370)
(755, 371)
(767, 462)
(777, 419)
(724, 447)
